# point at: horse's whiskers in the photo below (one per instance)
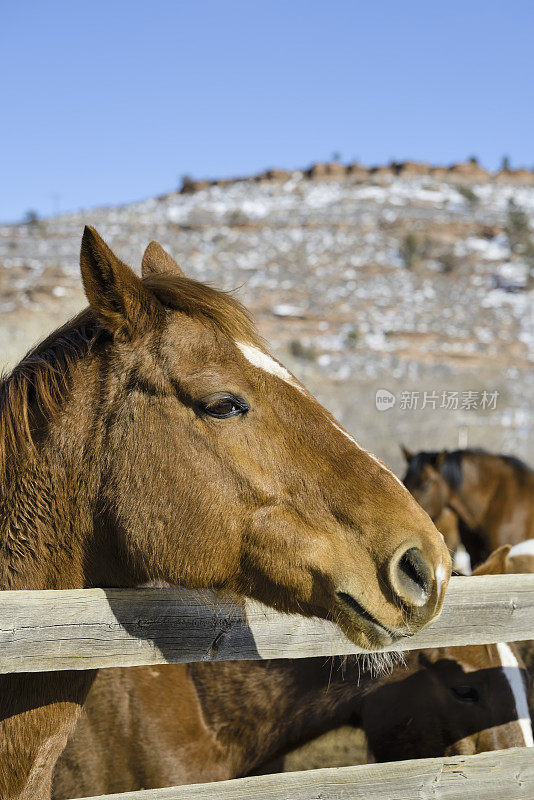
(380, 664)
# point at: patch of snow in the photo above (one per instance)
(288, 310)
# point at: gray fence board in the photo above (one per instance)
(86, 628)
(498, 775)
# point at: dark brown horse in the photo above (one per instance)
(153, 438)
(150, 727)
(492, 496)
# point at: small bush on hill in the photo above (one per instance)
(469, 195)
(409, 250)
(517, 227)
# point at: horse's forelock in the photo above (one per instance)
(204, 302)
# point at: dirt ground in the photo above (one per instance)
(343, 747)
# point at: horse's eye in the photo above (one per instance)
(224, 407)
(466, 694)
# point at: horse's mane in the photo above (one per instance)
(39, 385)
(516, 463)
(451, 467)
(450, 464)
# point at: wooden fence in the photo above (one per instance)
(498, 775)
(87, 628)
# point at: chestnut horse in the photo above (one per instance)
(153, 438)
(510, 560)
(149, 727)
(492, 496)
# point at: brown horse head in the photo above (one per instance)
(452, 700)
(425, 482)
(235, 476)
(211, 465)
(492, 495)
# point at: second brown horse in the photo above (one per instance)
(491, 497)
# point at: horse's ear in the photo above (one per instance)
(496, 563)
(156, 260)
(117, 296)
(521, 558)
(408, 454)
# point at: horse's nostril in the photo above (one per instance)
(411, 577)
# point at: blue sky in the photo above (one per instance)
(109, 102)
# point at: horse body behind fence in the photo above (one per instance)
(491, 495)
(153, 438)
(149, 727)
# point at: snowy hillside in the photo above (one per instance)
(409, 284)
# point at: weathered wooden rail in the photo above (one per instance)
(86, 628)
(498, 775)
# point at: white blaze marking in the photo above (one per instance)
(263, 361)
(512, 672)
(525, 548)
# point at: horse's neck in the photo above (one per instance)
(276, 706)
(46, 508)
(46, 511)
(40, 533)
(509, 516)
(472, 499)
(41, 547)
(55, 531)
(490, 496)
